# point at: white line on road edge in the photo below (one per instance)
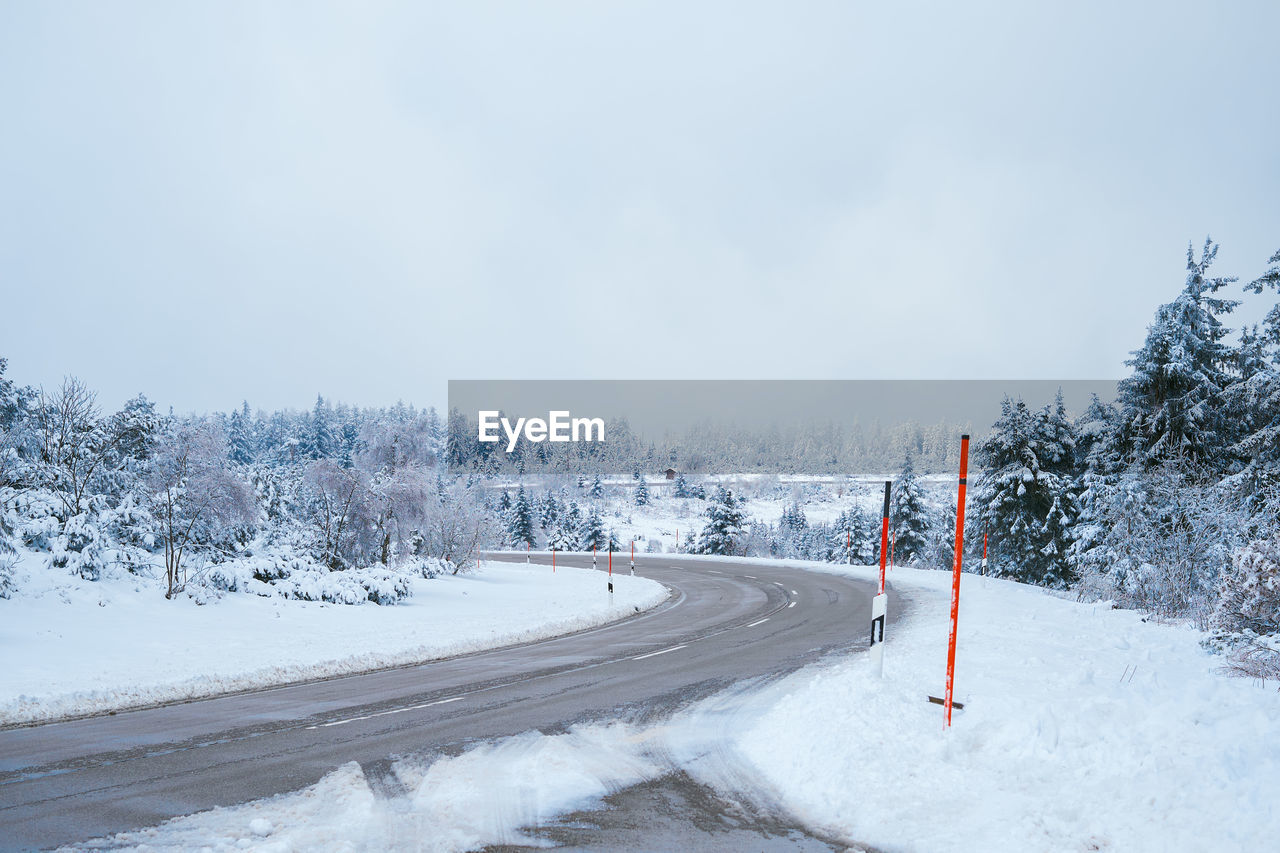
(793, 592)
(663, 652)
(792, 604)
(758, 622)
(753, 577)
(385, 713)
(715, 571)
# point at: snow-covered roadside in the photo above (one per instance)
(1084, 728)
(93, 647)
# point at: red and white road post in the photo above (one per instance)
(611, 575)
(879, 604)
(553, 561)
(955, 580)
(633, 557)
(984, 553)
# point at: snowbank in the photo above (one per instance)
(1084, 728)
(461, 803)
(90, 647)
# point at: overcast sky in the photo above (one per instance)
(219, 201)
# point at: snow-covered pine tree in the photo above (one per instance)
(854, 537)
(725, 524)
(591, 534)
(909, 516)
(681, 487)
(320, 442)
(347, 435)
(240, 435)
(792, 519)
(520, 529)
(1253, 400)
(596, 490)
(1025, 497)
(548, 512)
(940, 553)
(1172, 406)
(566, 533)
(642, 493)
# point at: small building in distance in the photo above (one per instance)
(671, 473)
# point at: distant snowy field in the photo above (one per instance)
(79, 647)
(669, 521)
(1084, 729)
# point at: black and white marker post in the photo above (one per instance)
(610, 574)
(880, 602)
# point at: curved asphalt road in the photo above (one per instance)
(70, 781)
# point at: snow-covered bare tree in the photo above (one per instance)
(73, 445)
(337, 497)
(456, 528)
(195, 496)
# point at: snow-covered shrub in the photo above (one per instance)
(428, 567)
(653, 546)
(81, 548)
(38, 520)
(1163, 544)
(233, 576)
(8, 582)
(383, 586)
(300, 577)
(354, 586)
(1249, 590)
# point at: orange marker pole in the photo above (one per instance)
(955, 579)
(553, 561)
(984, 552)
(633, 557)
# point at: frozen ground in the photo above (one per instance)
(1084, 728)
(75, 647)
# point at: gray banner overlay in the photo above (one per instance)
(742, 420)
